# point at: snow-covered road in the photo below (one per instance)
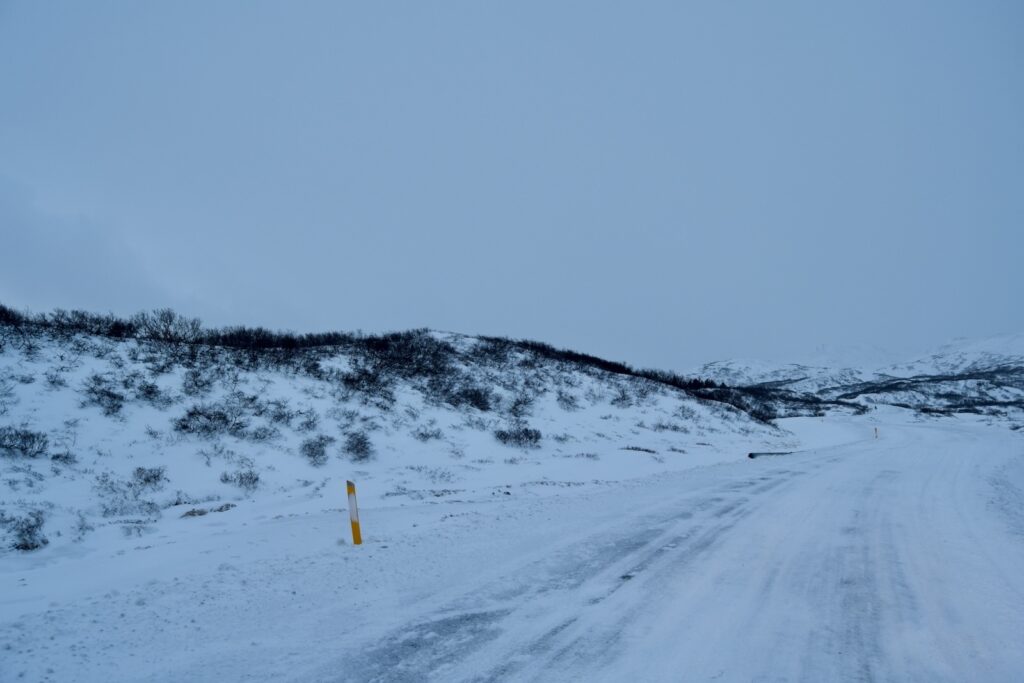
(890, 559)
(896, 559)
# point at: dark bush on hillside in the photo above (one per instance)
(122, 497)
(9, 316)
(542, 350)
(308, 420)
(425, 434)
(411, 354)
(246, 479)
(567, 401)
(150, 477)
(494, 350)
(622, 399)
(415, 355)
(523, 437)
(150, 393)
(522, 405)
(258, 338)
(27, 531)
(473, 396)
(64, 457)
(206, 421)
(100, 391)
(165, 325)
(357, 445)
(315, 449)
(278, 412)
(15, 441)
(371, 385)
(196, 382)
(66, 323)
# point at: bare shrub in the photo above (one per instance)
(358, 445)
(119, 497)
(246, 479)
(150, 393)
(278, 412)
(308, 420)
(315, 449)
(424, 434)
(167, 326)
(196, 382)
(662, 426)
(208, 420)
(64, 457)
(567, 401)
(150, 477)
(19, 441)
(521, 436)
(473, 396)
(622, 399)
(522, 405)
(100, 391)
(26, 531)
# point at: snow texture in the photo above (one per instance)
(195, 528)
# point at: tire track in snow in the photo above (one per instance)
(584, 576)
(867, 562)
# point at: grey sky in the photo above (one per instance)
(661, 183)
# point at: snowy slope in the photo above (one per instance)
(524, 517)
(853, 559)
(137, 434)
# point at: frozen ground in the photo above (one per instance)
(853, 558)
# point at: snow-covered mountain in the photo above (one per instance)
(984, 375)
(964, 355)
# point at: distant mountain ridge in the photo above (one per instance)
(977, 375)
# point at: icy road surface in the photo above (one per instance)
(896, 559)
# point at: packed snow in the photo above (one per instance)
(632, 540)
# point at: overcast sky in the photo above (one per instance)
(661, 183)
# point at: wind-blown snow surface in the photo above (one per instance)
(851, 558)
(136, 432)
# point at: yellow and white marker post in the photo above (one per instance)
(353, 514)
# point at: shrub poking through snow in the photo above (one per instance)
(121, 498)
(425, 434)
(248, 480)
(196, 383)
(15, 441)
(474, 396)
(357, 444)
(207, 420)
(150, 477)
(26, 531)
(315, 449)
(99, 391)
(523, 437)
(567, 401)
(639, 449)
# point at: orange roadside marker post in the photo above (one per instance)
(353, 514)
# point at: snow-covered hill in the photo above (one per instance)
(113, 436)
(172, 507)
